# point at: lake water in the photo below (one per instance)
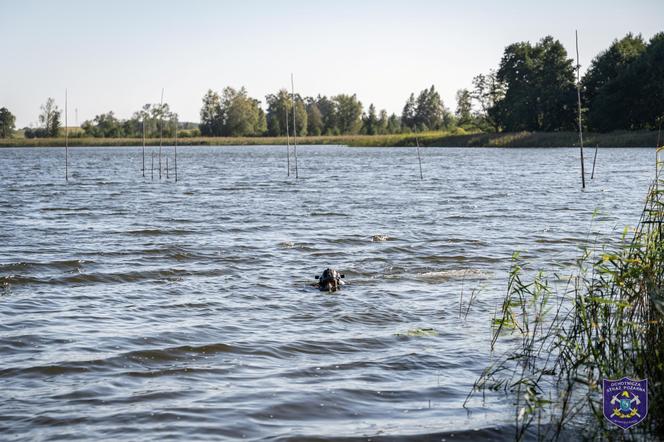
(139, 309)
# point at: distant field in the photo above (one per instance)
(430, 139)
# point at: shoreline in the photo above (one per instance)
(426, 139)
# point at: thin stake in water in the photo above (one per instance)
(161, 127)
(287, 143)
(592, 175)
(418, 157)
(66, 142)
(657, 150)
(152, 167)
(166, 167)
(175, 153)
(578, 95)
(143, 124)
(294, 125)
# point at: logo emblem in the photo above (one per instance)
(625, 401)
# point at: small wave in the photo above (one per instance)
(294, 245)
(328, 214)
(10, 280)
(62, 209)
(380, 238)
(112, 278)
(140, 357)
(326, 347)
(156, 232)
(544, 240)
(69, 264)
(504, 433)
(456, 274)
(176, 353)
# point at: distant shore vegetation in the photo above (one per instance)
(453, 138)
(532, 90)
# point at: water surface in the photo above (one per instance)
(134, 308)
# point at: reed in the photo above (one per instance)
(454, 138)
(607, 323)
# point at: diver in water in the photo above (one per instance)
(329, 281)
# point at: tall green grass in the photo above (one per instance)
(607, 323)
(454, 138)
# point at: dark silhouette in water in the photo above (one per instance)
(330, 280)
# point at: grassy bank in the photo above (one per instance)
(431, 139)
(608, 323)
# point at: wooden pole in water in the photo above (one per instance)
(592, 175)
(161, 127)
(152, 167)
(66, 142)
(418, 157)
(167, 167)
(143, 168)
(659, 133)
(175, 157)
(294, 125)
(578, 95)
(287, 142)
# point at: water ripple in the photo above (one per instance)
(140, 309)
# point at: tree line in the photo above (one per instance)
(532, 89)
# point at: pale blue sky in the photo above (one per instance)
(117, 55)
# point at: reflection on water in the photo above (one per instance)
(142, 310)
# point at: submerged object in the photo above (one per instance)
(330, 280)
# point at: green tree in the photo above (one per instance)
(464, 109)
(154, 117)
(300, 115)
(622, 83)
(328, 110)
(278, 107)
(212, 121)
(382, 122)
(557, 85)
(430, 113)
(393, 124)
(606, 66)
(315, 124)
(408, 113)
(7, 123)
(281, 104)
(370, 121)
(49, 118)
(104, 126)
(487, 92)
(133, 127)
(261, 125)
(348, 113)
(539, 87)
(241, 113)
(648, 73)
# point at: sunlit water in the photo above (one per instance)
(134, 308)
